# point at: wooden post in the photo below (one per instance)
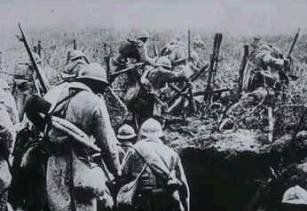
(68, 57)
(39, 48)
(74, 44)
(189, 45)
(242, 70)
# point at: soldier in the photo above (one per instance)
(77, 60)
(126, 136)
(161, 181)
(8, 100)
(8, 135)
(262, 84)
(26, 83)
(80, 103)
(198, 43)
(177, 53)
(155, 81)
(134, 50)
(131, 52)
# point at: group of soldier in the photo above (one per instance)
(81, 161)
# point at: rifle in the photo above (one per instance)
(213, 68)
(44, 83)
(155, 50)
(193, 78)
(293, 43)
(125, 70)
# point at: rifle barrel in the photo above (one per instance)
(45, 87)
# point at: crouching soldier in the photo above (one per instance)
(73, 180)
(157, 172)
(156, 80)
(264, 78)
(133, 51)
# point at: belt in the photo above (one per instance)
(151, 191)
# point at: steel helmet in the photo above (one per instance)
(77, 54)
(126, 132)
(164, 62)
(151, 128)
(143, 34)
(93, 71)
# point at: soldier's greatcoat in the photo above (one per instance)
(8, 114)
(262, 83)
(88, 112)
(152, 188)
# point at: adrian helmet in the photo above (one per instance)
(151, 128)
(93, 71)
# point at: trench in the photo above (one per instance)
(222, 181)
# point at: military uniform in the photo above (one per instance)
(8, 119)
(162, 184)
(177, 53)
(26, 82)
(89, 113)
(77, 61)
(126, 136)
(133, 51)
(263, 81)
(155, 81)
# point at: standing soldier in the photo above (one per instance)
(26, 83)
(161, 182)
(80, 103)
(8, 134)
(126, 136)
(262, 82)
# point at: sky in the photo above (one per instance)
(234, 16)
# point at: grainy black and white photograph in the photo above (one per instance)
(153, 105)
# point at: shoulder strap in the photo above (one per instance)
(147, 163)
(54, 107)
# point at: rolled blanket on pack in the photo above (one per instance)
(37, 108)
(73, 131)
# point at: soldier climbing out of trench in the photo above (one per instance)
(133, 52)
(266, 74)
(155, 82)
